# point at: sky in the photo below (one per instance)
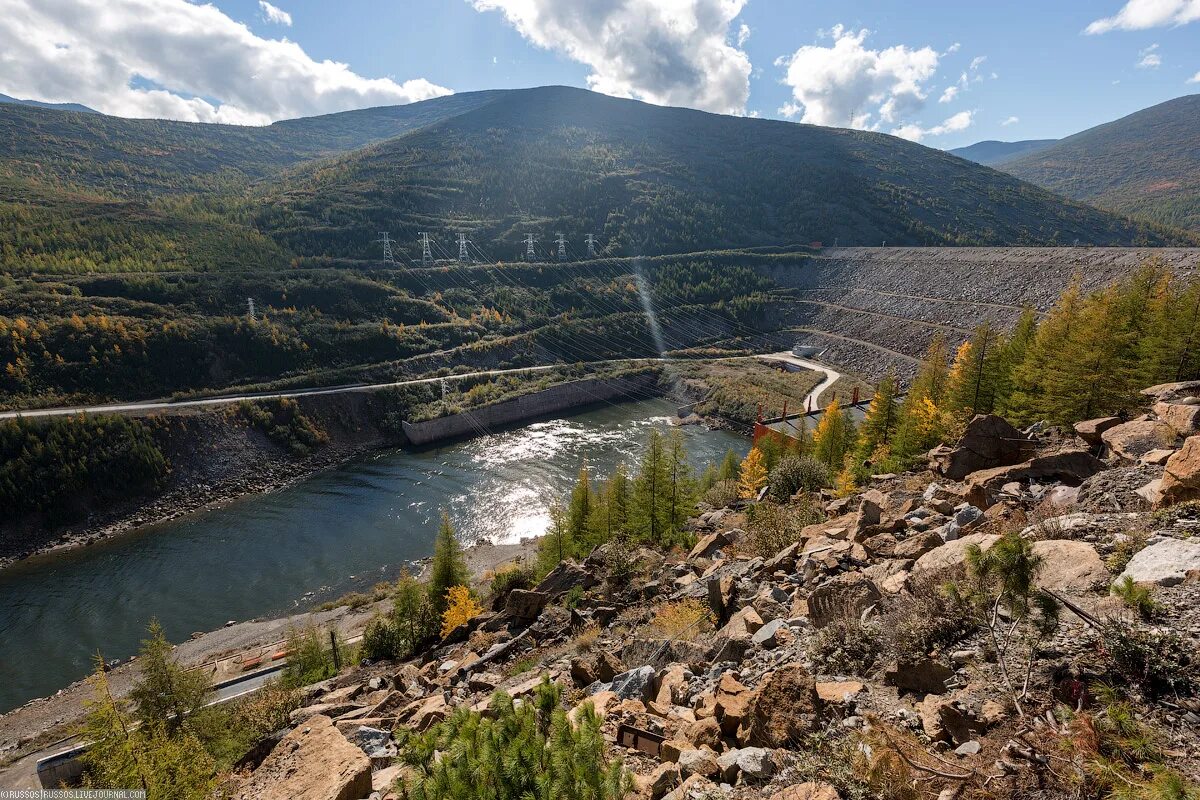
(942, 72)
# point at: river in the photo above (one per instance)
(343, 529)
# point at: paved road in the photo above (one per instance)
(159, 405)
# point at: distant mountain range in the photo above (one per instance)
(1145, 165)
(88, 191)
(992, 152)
(38, 103)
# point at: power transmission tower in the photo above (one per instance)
(562, 246)
(463, 255)
(426, 252)
(250, 308)
(591, 245)
(530, 253)
(386, 241)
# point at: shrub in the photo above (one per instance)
(686, 620)
(1159, 662)
(1136, 597)
(282, 421)
(925, 618)
(1124, 551)
(722, 494)
(506, 579)
(771, 527)
(461, 607)
(798, 473)
(382, 640)
(517, 752)
(313, 655)
(846, 646)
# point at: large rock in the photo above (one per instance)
(565, 577)
(952, 554)
(1069, 565)
(708, 545)
(1166, 563)
(989, 441)
(782, 710)
(924, 676)
(731, 703)
(526, 605)
(1183, 418)
(1132, 440)
(699, 762)
(1181, 475)
(636, 684)
(753, 764)
(313, 762)
(1069, 465)
(845, 597)
(810, 790)
(1183, 391)
(1091, 430)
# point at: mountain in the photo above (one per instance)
(39, 104)
(90, 192)
(1145, 165)
(992, 152)
(649, 179)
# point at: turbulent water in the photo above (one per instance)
(341, 530)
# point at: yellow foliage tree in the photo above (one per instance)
(753, 475)
(461, 607)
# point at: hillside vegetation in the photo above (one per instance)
(1145, 165)
(88, 192)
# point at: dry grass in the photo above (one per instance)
(684, 620)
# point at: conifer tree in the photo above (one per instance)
(921, 414)
(834, 436)
(580, 508)
(972, 382)
(752, 474)
(449, 567)
(651, 514)
(165, 693)
(1036, 378)
(883, 414)
(729, 466)
(682, 493)
(1012, 351)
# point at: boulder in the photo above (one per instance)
(708, 545)
(946, 720)
(810, 790)
(1092, 429)
(1165, 563)
(989, 441)
(1156, 458)
(526, 605)
(636, 684)
(769, 635)
(313, 762)
(1069, 565)
(917, 545)
(838, 692)
(742, 625)
(731, 703)
(672, 685)
(782, 710)
(952, 554)
(1184, 419)
(704, 733)
(658, 783)
(698, 762)
(1068, 465)
(1131, 440)
(752, 764)
(1180, 392)
(565, 577)
(846, 596)
(1181, 475)
(923, 676)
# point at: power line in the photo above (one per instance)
(426, 254)
(386, 241)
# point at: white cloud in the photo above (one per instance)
(274, 14)
(949, 95)
(743, 35)
(954, 48)
(1149, 58)
(176, 60)
(1195, 78)
(1138, 15)
(1010, 121)
(671, 52)
(849, 85)
(959, 122)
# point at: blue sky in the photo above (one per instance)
(945, 73)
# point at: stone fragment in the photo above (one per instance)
(838, 692)
(636, 684)
(810, 790)
(1165, 563)
(708, 545)
(924, 676)
(988, 441)
(658, 783)
(1183, 418)
(1181, 474)
(1131, 440)
(751, 764)
(782, 710)
(313, 762)
(1091, 430)
(768, 635)
(698, 762)
(1069, 565)
(1068, 466)
(704, 733)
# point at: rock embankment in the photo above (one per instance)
(835, 663)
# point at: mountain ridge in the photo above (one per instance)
(992, 152)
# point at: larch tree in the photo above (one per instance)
(883, 414)
(834, 436)
(651, 487)
(752, 474)
(449, 567)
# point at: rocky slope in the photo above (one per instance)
(836, 666)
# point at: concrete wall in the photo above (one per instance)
(563, 397)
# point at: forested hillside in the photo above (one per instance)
(1145, 165)
(649, 179)
(88, 192)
